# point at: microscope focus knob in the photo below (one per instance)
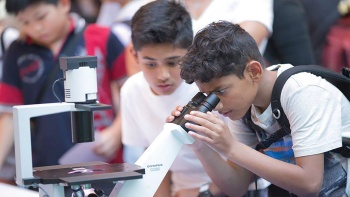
(99, 192)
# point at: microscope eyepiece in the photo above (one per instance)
(209, 103)
(198, 103)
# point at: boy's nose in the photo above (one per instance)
(218, 106)
(37, 27)
(163, 74)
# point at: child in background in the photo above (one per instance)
(51, 32)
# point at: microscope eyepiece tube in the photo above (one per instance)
(209, 103)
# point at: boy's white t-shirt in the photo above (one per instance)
(317, 111)
(143, 117)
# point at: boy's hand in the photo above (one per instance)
(197, 144)
(108, 143)
(176, 112)
(211, 130)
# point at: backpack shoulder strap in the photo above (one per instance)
(2, 41)
(340, 81)
(7, 36)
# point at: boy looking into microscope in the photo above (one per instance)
(225, 60)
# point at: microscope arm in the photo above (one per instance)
(21, 119)
(156, 160)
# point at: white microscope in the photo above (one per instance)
(132, 180)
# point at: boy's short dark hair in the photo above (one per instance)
(220, 49)
(161, 21)
(16, 6)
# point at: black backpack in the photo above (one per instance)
(341, 81)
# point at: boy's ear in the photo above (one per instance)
(131, 60)
(133, 53)
(255, 70)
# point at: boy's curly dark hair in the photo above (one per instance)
(220, 49)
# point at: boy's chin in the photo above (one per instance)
(235, 115)
(164, 91)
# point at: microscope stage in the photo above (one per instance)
(85, 173)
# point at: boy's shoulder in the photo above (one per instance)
(135, 83)
(21, 46)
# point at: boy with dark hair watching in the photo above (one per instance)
(161, 34)
(225, 60)
(31, 63)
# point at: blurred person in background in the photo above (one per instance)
(50, 31)
(8, 33)
(87, 9)
(290, 41)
